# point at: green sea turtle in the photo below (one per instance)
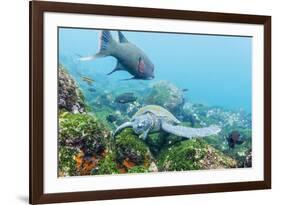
(153, 118)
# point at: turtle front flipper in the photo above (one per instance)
(121, 127)
(144, 134)
(189, 132)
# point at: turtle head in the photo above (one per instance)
(141, 124)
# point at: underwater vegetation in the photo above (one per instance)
(131, 150)
(82, 131)
(193, 155)
(86, 128)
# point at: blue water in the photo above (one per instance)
(215, 69)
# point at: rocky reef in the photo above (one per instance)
(70, 96)
(193, 155)
(86, 146)
(82, 131)
(132, 151)
(82, 143)
(167, 95)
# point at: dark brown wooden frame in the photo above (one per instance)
(37, 9)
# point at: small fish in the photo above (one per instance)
(125, 98)
(235, 138)
(129, 57)
(185, 90)
(111, 118)
(92, 90)
(88, 80)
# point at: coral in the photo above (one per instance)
(129, 147)
(70, 97)
(83, 131)
(167, 95)
(193, 155)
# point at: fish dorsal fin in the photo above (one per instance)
(122, 38)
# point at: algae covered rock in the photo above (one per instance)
(248, 159)
(70, 96)
(130, 149)
(167, 95)
(239, 152)
(106, 166)
(138, 169)
(82, 131)
(160, 140)
(156, 141)
(193, 154)
(67, 163)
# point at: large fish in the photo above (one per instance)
(129, 57)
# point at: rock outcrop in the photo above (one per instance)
(70, 97)
(167, 95)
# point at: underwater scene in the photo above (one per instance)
(141, 102)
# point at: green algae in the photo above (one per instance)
(67, 164)
(128, 146)
(106, 166)
(83, 131)
(193, 154)
(138, 169)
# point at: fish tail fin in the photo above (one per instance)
(89, 58)
(106, 45)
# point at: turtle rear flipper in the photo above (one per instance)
(189, 132)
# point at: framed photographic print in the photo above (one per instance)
(138, 102)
